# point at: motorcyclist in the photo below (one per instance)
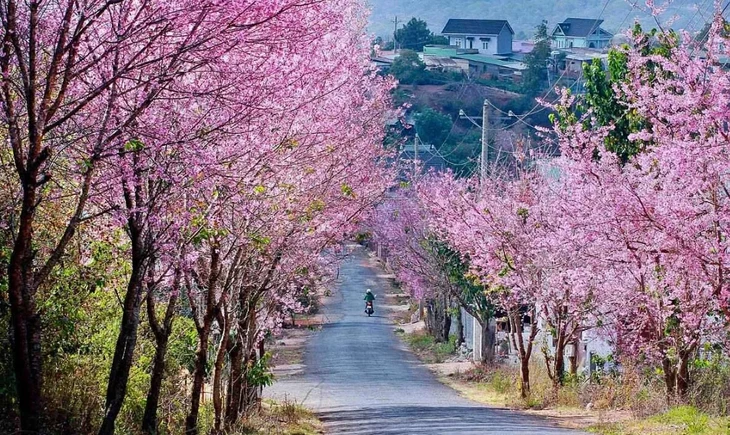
(369, 297)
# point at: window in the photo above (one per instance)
(485, 45)
(457, 42)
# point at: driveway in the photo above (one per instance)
(360, 379)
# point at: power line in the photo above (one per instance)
(633, 8)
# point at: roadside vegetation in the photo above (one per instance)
(428, 349)
(285, 418)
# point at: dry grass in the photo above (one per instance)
(285, 418)
(609, 404)
(685, 420)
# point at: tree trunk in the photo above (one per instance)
(220, 359)
(235, 383)
(682, 371)
(126, 343)
(525, 377)
(559, 363)
(524, 349)
(488, 342)
(250, 393)
(201, 361)
(203, 328)
(25, 320)
(162, 336)
(446, 327)
(438, 320)
(459, 327)
(670, 378)
(149, 421)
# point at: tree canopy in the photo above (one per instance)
(433, 126)
(535, 76)
(415, 34)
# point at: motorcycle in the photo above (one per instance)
(369, 308)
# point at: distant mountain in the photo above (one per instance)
(524, 15)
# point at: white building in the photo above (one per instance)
(581, 33)
(492, 37)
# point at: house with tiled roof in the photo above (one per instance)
(489, 37)
(580, 33)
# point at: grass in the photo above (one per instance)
(684, 420)
(481, 393)
(428, 349)
(285, 418)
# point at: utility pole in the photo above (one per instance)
(484, 160)
(485, 144)
(395, 31)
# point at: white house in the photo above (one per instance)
(486, 36)
(580, 33)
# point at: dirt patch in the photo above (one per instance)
(410, 328)
(472, 94)
(450, 368)
(288, 347)
(580, 419)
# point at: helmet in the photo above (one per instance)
(368, 290)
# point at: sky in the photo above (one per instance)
(524, 15)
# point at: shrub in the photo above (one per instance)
(710, 390)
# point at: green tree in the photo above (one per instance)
(432, 126)
(415, 34)
(609, 108)
(439, 40)
(408, 68)
(535, 75)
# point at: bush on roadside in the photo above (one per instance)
(428, 349)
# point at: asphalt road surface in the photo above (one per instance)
(360, 379)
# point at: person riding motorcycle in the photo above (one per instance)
(369, 297)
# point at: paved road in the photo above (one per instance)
(361, 380)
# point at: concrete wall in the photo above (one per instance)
(468, 322)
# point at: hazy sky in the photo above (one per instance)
(524, 15)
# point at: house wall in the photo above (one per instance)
(462, 41)
(565, 42)
(504, 43)
(569, 42)
(573, 67)
(598, 41)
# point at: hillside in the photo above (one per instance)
(524, 15)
